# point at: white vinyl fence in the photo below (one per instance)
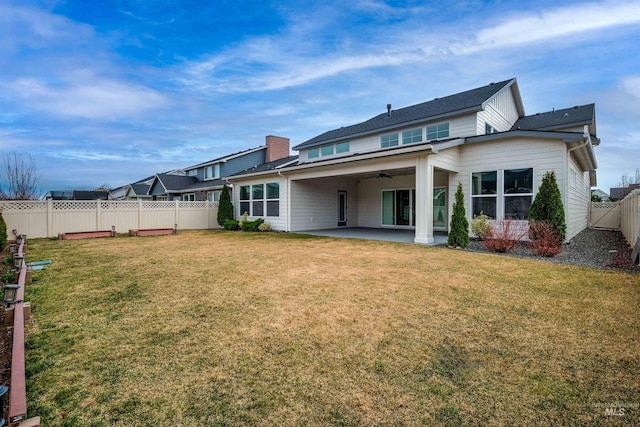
(630, 216)
(37, 218)
(605, 215)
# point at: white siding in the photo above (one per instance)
(501, 113)
(540, 154)
(578, 199)
(458, 127)
(278, 223)
(314, 203)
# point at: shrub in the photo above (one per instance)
(548, 207)
(480, 225)
(230, 224)
(503, 236)
(459, 227)
(544, 240)
(225, 208)
(3, 233)
(251, 225)
(265, 226)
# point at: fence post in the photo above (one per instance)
(50, 218)
(98, 215)
(177, 214)
(139, 214)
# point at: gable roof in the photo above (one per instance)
(140, 189)
(463, 102)
(181, 183)
(557, 119)
(276, 164)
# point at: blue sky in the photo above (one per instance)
(110, 92)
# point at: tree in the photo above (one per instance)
(548, 207)
(225, 208)
(595, 198)
(21, 178)
(459, 227)
(3, 233)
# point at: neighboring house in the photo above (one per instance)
(400, 169)
(77, 195)
(136, 191)
(619, 193)
(604, 196)
(204, 181)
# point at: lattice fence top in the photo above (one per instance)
(119, 205)
(603, 205)
(191, 205)
(158, 205)
(22, 205)
(75, 205)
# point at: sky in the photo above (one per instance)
(110, 92)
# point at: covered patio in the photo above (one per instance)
(383, 234)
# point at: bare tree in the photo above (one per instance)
(21, 178)
(103, 187)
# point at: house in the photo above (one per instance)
(204, 181)
(619, 193)
(77, 195)
(400, 169)
(138, 190)
(603, 196)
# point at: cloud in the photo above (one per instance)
(298, 56)
(92, 97)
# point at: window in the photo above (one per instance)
(254, 197)
(489, 129)
(438, 131)
(411, 136)
(484, 192)
(214, 196)
(245, 197)
(191, 197)
(273, 199)
(342, 147)
(512, 198)
(257, 200)
(327, 150)
(313, 153)
(518, 192)
(212, 172)
(398, 207)
(192, 172)
(389, 140)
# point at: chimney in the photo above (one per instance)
(388, 110)
(277, 148)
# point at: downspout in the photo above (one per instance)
(287, 226)
(587, 136)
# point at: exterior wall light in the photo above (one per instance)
(10, 292)
(17, 260)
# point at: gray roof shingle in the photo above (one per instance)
(557, 119)
(267, 166)
(470, 100)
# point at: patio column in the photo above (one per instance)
(424, 200)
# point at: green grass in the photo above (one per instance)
(231, 328)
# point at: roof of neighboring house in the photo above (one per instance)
(469, 101)
(79, 195)
(181, 183)
(557, 119)
(286, 161)
(140, 189)
(619, 193)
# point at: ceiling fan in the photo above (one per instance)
(383, 175)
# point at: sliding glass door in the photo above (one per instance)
(398, 207)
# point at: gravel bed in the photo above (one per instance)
(591, 248)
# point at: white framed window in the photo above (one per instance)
(253, 199)
(161, 198)
(327, 150)
(502, 193)
(313, 153)
(192, 172)
(412, 136)
(214, 196)
(489, 129)
(212, 172)
(389, 140)
(484, 193)
(342, 147)
(190, 197)
(439, 131)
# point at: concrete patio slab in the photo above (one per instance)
(384, 234)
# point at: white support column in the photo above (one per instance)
(424, 200)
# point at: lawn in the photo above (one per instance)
(209, 328)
